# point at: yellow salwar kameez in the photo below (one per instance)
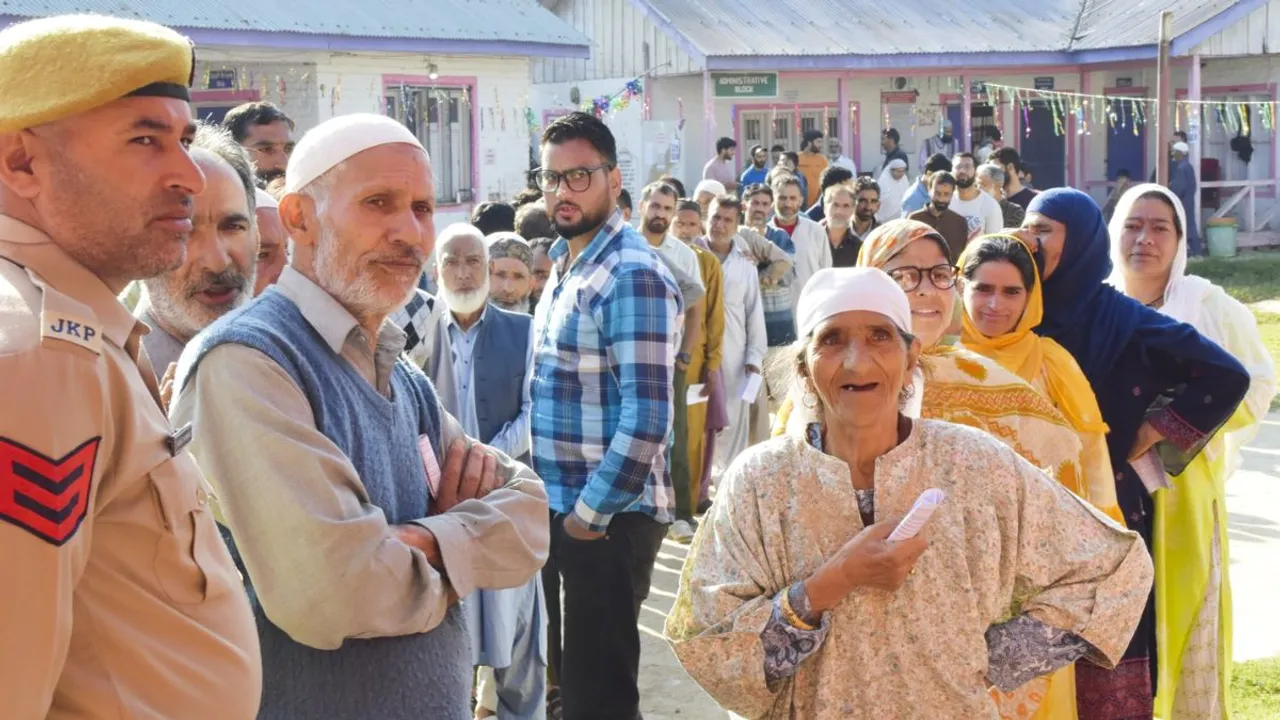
(706, 359)
(1192, 588)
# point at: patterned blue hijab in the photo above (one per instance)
(1088, 317)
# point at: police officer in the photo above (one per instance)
(117, 598)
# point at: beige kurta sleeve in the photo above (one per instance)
(324, 562)
(1075, 569)
(765, 250)
(730, 582)
(500, 541)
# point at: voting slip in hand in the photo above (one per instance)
(1150, 469)
(695, 396)
(915, 520)
(431, 464)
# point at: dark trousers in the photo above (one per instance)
(605, 582)
(681, 476)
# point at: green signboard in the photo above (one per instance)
(745, 84)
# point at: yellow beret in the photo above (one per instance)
(56, 67)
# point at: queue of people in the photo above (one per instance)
(281, 448)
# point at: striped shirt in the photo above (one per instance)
(604, 358)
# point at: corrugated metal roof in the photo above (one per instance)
(1125, 23)
(483, 20)
(798, 28)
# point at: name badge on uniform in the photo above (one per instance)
(57, 325)
(179, 439)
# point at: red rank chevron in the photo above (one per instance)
(46, 497)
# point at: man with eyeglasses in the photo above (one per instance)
(604, 357)
(267, 133)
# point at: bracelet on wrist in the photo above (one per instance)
(790, 615)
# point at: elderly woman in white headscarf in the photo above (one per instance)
(794, 602)
(894, 186)
(1193, 601)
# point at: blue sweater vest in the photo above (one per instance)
(425, 675)
(498, 369)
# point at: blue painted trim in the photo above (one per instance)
(664, 23)
(927, 60)
(1186, 42)
(351, 43)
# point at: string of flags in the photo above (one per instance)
(1118, 113)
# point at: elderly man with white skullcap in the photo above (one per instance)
(356, 506)
(119, 600)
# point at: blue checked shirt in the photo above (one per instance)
(604, 359)
(779, 320)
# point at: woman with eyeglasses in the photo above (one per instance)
(1161, 386)
(952, 383)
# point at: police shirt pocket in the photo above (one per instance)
(188, 544)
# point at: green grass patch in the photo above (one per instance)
(1249, 278)
(1255, 690)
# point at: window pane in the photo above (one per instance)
(441, 118)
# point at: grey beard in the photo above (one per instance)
(518, 307)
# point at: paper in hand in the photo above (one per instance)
(1150, 469)
(430, 464)
(920, 513)
(695, 396)
(750, 389)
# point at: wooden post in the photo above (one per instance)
(1081, 166)
(842, 100)
(708, 117)
(1164, 99)
(1194, 131)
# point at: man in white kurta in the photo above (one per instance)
(813, 251)
(745, 342)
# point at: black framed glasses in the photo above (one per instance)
(909, 278)
(577, 179)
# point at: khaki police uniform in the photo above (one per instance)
(119, 599)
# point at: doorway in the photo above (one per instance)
(1043, 149)
(1127, 150)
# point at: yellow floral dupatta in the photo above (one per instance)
(1049, 368)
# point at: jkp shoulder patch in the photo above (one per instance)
(57, 325)
(47, 497)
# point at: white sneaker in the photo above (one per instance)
(681, 531)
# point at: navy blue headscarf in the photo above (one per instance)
(1088, 317)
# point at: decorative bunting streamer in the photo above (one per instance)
(621, 100)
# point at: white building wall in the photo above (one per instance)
(1257, 34)
(550, 100)
(624, 43)
(330, 84)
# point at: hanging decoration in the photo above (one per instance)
(620, 100)
(1128, 113)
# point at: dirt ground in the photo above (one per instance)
(666, 691)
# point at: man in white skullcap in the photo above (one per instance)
(1183, 183)
(706, 191)
(356, 507)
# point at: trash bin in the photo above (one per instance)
(1220, 236)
